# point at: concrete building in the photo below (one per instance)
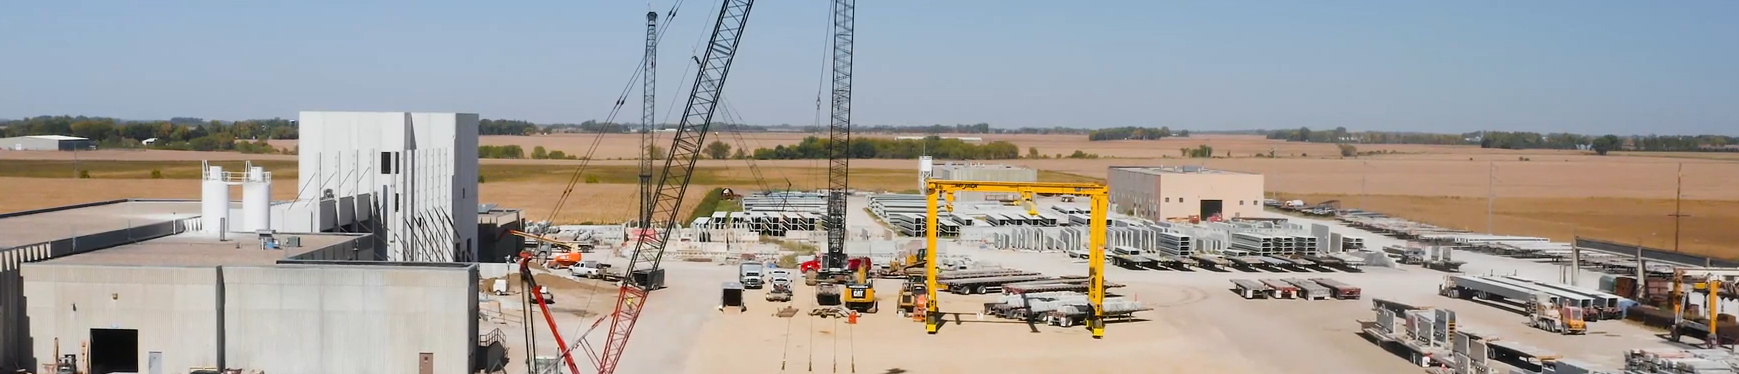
(132, 286)
(978, 172)
(46, 143)
(1164, 192)
(409, 178)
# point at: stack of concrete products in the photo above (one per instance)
(1676, 361)
(883, 205)
(1423, 332)
(1176, 244)
(1256, 244)
(785, 201)
(1311, 290)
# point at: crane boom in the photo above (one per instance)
(648, 106)
(839, 134)
(685, 149)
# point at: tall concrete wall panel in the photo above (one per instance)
(327, 319)
(422, 166)
(174, 309)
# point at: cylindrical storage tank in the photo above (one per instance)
(213, 201)
(257, 201)
(924, 172)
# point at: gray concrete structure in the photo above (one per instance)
(46, 143)
(190, 300)
(984, 172)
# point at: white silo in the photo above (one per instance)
(257, 200)
(924, 171)
(213, 201)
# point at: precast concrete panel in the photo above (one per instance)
(350, 318)
(174, 309)
(422, 167)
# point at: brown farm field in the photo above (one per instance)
(1622, 197)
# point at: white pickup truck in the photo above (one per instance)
(590, 269)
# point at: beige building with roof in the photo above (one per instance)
(1167, 192)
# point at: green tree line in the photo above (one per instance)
(816, 148)
(1134, 133)
(180, 133)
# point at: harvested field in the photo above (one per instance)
(1708, 230)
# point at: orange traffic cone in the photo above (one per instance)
(851, 319)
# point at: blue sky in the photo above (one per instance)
(1580, 66)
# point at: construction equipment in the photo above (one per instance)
(832, 267)
(1097, 193)
(1711, 280)
(686, 143)
(780, 291)
(1547, 315)
(908, 301)
(896, 269)
(860, 292)
(541, 297)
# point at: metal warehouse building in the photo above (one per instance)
(1165, 192)
(46, 143)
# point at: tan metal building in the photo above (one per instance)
(1162, 192)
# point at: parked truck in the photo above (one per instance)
(749, 273)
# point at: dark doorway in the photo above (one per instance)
(1210, 208)
(114, 351)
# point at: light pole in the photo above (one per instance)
(1490, 194)
(1678, 205)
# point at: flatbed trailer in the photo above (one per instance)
(1324, 261)
(1246, 261)
(1211, 262)
(966, 274)
(1276, 262)
(1132, 261)
(970, 286)
(1250, 289)
(1171, 261)
(1342, 291)
(1605, 304)
(1076, 315)
(1520, 356)
(1052, 285)
(1312, 291)
(1447, 266)
(1282, 290)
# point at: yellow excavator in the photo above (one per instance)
(860, 290)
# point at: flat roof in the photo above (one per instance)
(44, 225)
(193, 249)
(53, 137)
(1159, 170)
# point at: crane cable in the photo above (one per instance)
(603, 129)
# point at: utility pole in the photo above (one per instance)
(1363, 178)
(1490, 195)
(1678, 205)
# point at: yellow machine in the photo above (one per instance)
(1097, 193)
(860, 291)
(909, 295)
(1709, 284)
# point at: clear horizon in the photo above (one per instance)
(1548, 66)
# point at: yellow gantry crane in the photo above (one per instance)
(936, 189)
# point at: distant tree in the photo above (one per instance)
(539, 153)
(1348, 150)
(738, 154)
(1033, 152)
(718, 150)
(1606, 144)
(653, 151)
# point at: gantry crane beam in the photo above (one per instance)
(1098, 193)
